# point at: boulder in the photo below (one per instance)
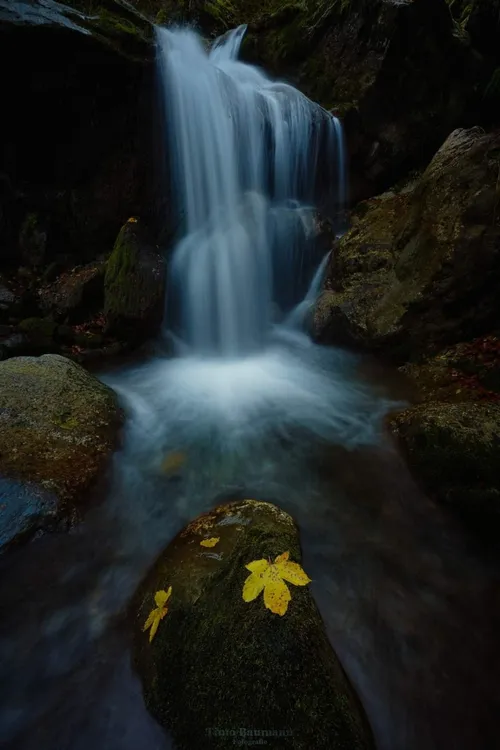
(454, 450)
(441, 262)
(220, 670)
(134, 285)
(75, 295)
(58, 427)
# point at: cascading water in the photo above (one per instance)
(246, 152)
(248, 157)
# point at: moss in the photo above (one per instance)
(58, 424)
(454, 450)
(261, 671)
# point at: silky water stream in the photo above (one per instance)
(258, 410)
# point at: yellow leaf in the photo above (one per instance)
(132, 220)
(157, 614)
(173, 462)
(210, 542)
(271, 577)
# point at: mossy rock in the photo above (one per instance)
(454, 451)
(58, 427)
(436, 281)
(134, 285)
(218, 665)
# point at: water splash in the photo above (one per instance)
(246, 152)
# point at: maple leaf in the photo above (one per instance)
(210, 542)
(271, 577)
(157, 614)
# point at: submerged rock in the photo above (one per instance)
(454, 450)
(58, 426)
(134, 285)
(437, 281)
(219, 666)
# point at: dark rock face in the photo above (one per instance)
(76, 145)
(75, 296)
(134, 285)
(219, 663)
(397, 73)
(436, 281)
(454, 450)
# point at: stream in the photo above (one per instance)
(255, 409)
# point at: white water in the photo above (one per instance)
(247, 153)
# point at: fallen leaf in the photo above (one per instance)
(157, 614)
(270, 577)
(173, 462)
(210, 542)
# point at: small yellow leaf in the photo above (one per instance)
(162, 597)
(210, 542)
(271, 577)
(157, 614)
(132, 220)
(173, 462)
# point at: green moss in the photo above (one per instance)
(280, 672)
(119, 269)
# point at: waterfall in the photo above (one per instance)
(245, 152)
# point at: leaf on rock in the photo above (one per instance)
(210, 542)
(173, 462)
(157, 614)
(271, 577)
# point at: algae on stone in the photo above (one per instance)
(218, 662)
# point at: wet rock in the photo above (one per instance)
(261, 672)
(435, 284)
(58, 426)
(468, 371)
(76, 295)
(396, 72)
(360, 269)
(134, 285)
(24, 510)
(454, 450)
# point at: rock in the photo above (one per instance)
(33, 240)
(468, 371)
(7, 301)
(395, 71)
(360, 270)
(58, 426)
(454, 450)
(24, 510)
(39, 332)
(435, 283)
(134, 285)
(87, 165)
(76, 295)
(218, 664)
